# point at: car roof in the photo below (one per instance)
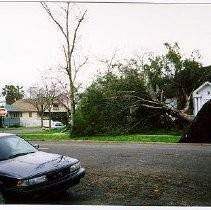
(6, 134)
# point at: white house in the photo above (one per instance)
(29, 116)
(200, 96)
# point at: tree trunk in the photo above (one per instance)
(49, 118)
(41, 118)
(200, 129)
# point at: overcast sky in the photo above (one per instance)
(30, 43)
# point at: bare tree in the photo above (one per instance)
(51, 93)
(37, 97)
(43, 96)
(69, 48)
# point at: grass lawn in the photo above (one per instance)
(135, 138)
(56, 135)
(45, 136)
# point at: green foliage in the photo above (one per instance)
(60, 116)
(104, 107)
(174, 76)
(12, 93)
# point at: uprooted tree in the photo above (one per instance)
(69, 31)
(170, 80)
(200, 131)
(173, 77)
(142, 93)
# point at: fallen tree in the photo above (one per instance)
(200, 129)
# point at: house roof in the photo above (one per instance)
(201, 87)
(11, 108)
(24, 105)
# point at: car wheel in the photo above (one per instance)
(2, 200)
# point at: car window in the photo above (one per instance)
(14, 145)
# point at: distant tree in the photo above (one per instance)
(51, 92)
(37, 97)
(43, 97)
(12, 93)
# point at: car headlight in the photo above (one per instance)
(33, 181)
(75, 167)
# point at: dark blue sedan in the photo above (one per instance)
(26, 171)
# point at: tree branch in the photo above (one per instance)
(47, 9)
(75, 33)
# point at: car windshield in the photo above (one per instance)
(14, 146)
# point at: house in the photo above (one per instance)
(200, 96)
(30, 117)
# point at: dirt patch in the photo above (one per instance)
(134, 188)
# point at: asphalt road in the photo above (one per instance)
(137, 174)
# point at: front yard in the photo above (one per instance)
(172, 137)
(59, 134)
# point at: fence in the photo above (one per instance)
(10, 121)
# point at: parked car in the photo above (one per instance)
(26, 171)
(54, 125)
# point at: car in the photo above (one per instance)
(27, 172)
(54, 125)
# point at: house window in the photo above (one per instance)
(17, 114)
(30, 114)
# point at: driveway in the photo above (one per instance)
(136, 174)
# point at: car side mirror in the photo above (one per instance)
(37, 146)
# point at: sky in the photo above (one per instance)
(30, 43)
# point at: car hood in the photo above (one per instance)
(34, 164)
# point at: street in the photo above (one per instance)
(136, 174)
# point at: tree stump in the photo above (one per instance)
(200, 129)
